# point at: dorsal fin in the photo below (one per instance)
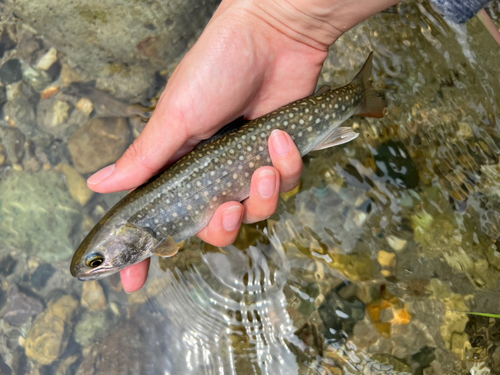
(372, 105)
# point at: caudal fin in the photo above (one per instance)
(372, 105)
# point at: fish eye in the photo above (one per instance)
(94, 260)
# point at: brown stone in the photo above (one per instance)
(101, 141)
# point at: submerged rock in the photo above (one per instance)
(11, 72)
(93, 297)
(99, 142)
(19, 307)
(49, 334)
(38, 214)
(52, 115)
(91, 328)
(76, 183)
(13, 141)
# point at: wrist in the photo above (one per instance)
(317, 23)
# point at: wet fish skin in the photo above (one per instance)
(179, 202)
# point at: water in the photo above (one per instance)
(368, 268)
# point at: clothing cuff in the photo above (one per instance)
(459, 11)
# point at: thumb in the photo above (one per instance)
(149, 153)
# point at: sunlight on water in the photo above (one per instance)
(369, 268)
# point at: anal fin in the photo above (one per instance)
(338, 137)
(166, 248)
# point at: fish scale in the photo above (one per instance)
(179, 202)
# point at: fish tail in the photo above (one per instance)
(372, 105)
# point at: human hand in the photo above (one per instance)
(249, 61)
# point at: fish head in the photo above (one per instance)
(109, 248)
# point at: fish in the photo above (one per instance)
(179, 202)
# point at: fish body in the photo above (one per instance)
(179, 202)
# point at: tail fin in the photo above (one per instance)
(372, 104)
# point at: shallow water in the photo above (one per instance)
(369, 268)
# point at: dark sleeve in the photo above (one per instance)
(459, 10)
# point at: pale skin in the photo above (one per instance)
(253, 57)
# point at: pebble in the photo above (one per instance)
(49, 92)
(69, 76)
(11, 72)
(39, 79)
(13, 141)
(42, 274)
(2, 159)
(93, 297)
(52, 115)
(396, 243)
(19, 307)
(48, 336)
(386, 259)
(91, 328)
(76, 183)
(100, 142)
(85, 105)
(17, 167)
(47, 60)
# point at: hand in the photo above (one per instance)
(248, 61)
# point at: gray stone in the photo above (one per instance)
(123, 42)
(52, 115)
(13, 141)
(11, 72)
(20, 109)
(91, 328)
(38, 78)
(20, 307)
(100, 142)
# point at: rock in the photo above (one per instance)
(65, 366)
(13, 141)
(58, 151)
(85, 105)
(93, 297)
(100, 142)
(91, 328)
(396, 243)
(396, 166)
(49, 334)
(11, 72)
(118, 41)
(385, 259)
(68, 75)
(52, 115)
(47, 60)
(6, 43)
(3, 96)
(19, 307)
(7, 265)
(76, 183)
(39, 79)
(30, 161)
(41, 275)
(2, 158)
(34, 205)
(20, 110)
(339, 316)
(49, 92)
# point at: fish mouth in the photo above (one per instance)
(94, 274)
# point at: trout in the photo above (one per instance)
(179, 202)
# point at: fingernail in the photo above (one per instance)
(280, 142)
(231, 218)
(267, 183)
(101, 175)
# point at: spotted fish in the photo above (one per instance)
(180, 201)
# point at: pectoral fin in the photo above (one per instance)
(322, 90)
(338, 137)
(166, 248)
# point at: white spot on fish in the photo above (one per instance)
(179, 204)
(189, 207)
(318, 121)
(156, 221)
(205, 193)
(300, 134)
(309, 128)
(263, 135)
(336, 106)
(247, 174)
(235, 176)
(251, 165)
(249, 148)
(261, 148)
(229, 162)
(175, 214)
(301, 122)
(323, 105)
(257, 157)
